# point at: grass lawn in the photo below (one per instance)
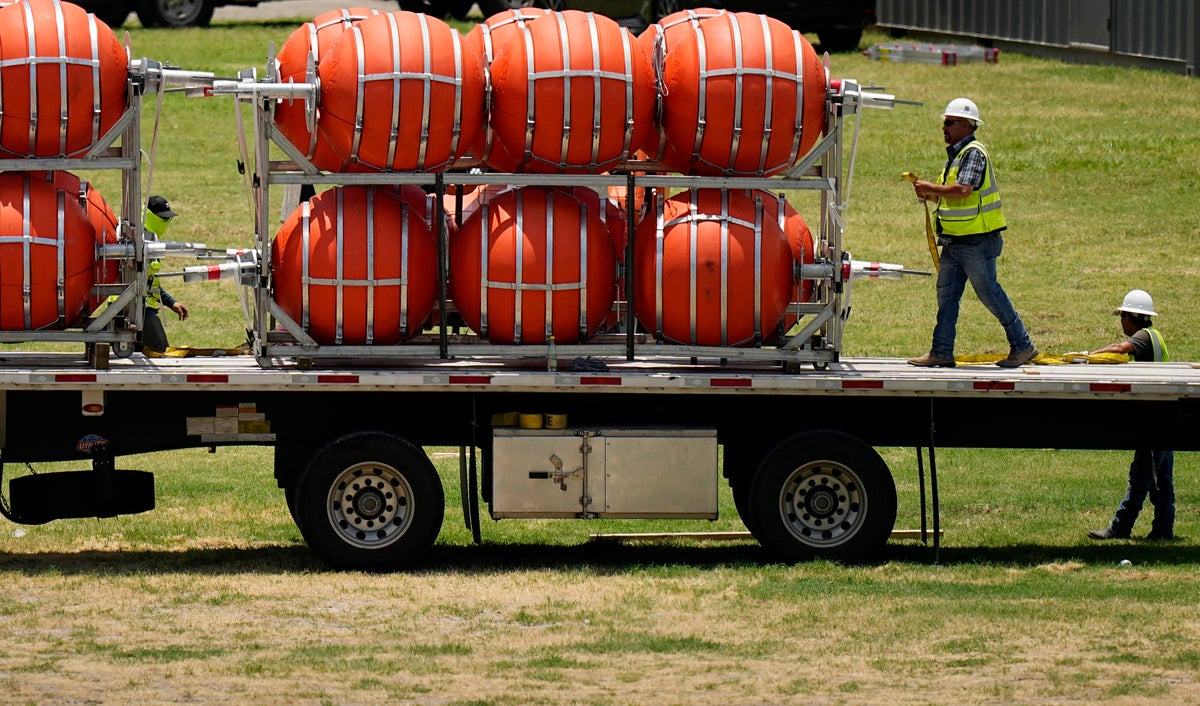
(213, 598)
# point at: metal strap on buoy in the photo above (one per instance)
(520, 286)
(695, 216)
(396, 76)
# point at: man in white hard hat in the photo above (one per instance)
(1152, 472)
(969, 222)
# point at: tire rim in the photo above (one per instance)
(180, 10)
(823, 504)
(370, 505)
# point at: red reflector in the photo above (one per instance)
(596, 380)
(729, 382)
(986, 385)
(1110, 387)
(208, 378)
(862, 384)
(74, 377)
(350, 379)
(470, 379)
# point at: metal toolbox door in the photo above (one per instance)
(538, 474)
(659, 473)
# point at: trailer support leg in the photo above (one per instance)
(933, 494)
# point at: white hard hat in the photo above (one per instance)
(963, 108)
(1137, 301)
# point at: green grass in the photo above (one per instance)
(213, 596)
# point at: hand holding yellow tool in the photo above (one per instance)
(933, 251)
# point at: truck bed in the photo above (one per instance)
(890, 377)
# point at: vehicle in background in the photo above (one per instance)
(838, 24)
(158, 13)
(633, 13)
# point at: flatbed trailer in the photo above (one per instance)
(638, 440)
(626, 422)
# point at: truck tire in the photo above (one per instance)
(823, 494)
(457, 9)
(175, 13)
(370, 501)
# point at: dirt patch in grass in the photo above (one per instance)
(147, 632)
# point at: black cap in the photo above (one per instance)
(159, 207)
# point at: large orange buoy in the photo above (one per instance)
(671, 27)
(484, 38)
(62, 79)
(656, 41)
(356, 265)
(533, 262)
(401, 91)
(311, 42)
(711, 268)
(101, 218)
(47, 253)
(571, 92)
(743, 94)
(800, 240)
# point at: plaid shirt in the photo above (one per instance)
(972, 165)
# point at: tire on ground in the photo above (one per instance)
(823, 494)
(370, 501)
(175, 13)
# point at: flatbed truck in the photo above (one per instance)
(638, 440)
(621, 425)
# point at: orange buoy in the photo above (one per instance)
(743, 95)
(711, 268)
(47, 254)
(571, 92)
(400, 91)
(311, 42)
(800, 241)
(471, 201)
(62, 79)
(612, 214)
(670, 29)
(533, 262)
(101, 218)
(356, 265)
(484, 38)
(615, 217)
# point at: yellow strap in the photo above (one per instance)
(193, 352)
(929, 236)
(1049, 359)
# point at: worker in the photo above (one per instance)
(158, 218)
(969, 222)
(1152, 471)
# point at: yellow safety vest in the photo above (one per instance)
(153, 287)
(980, 211)
(1159, 345)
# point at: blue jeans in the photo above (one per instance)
(973, 257)
(1151, 473)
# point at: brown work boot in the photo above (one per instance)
(1016, 359)
(930, 360)
(1106, 533)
